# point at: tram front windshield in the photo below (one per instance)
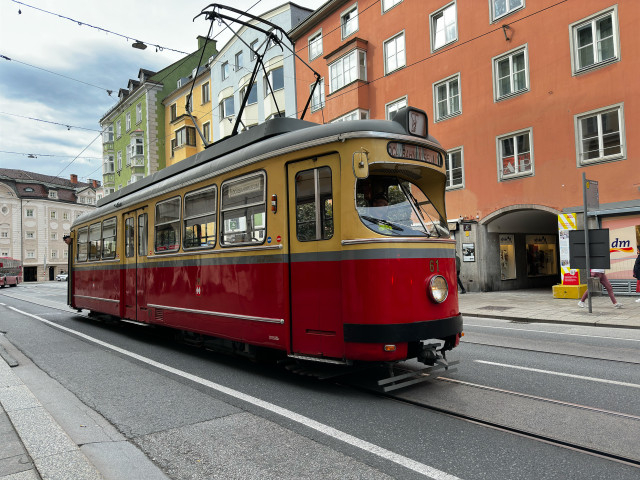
(393, 206)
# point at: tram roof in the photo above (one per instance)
(274, 135)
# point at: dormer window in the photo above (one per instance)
(53, 194)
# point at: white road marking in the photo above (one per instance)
(301, 419)
(549, 372)
(554, 333)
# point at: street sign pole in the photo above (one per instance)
(586, 237)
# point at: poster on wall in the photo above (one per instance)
(507, 257)
(624, 237)
(468, 252)
(566, 222)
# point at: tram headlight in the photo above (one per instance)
(438, 289)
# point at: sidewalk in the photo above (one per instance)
(34, 445)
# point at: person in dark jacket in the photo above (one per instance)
(458, 274)
(636, 272)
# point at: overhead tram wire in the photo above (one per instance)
(36, 155)
(78, 156)
(109, 92)
(127, 37)
(69, 127)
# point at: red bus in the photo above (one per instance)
(10, 272)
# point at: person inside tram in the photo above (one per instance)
(380, 200)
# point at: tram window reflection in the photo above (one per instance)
(167, 225)
(129, 238)
(142, 235)
(109, 231)
(314, 220)
(83, 246)
(200, 218)
(243, 207)
(94, 241)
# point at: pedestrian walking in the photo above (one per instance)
(636, 272)
(599, 273)
(458, 274)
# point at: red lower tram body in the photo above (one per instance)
(354, 305)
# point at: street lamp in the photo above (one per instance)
(139, 45)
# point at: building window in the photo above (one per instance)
(600, 135)
(515, 154)
(444, 27)
(317, 100)
(174, 111)
(394, 54)
(454, 166)
(224, 68)
(107, 134)
(136, 147)
(54, 253)
(205, 93)
(65, 253)
(354, 115)
(119, 160)
(29, 212)
(392, 107)
(594, 41)
(389, 4)
(347, 69)
(227, 108)
(511, 74)
(254, 49)
(30, 235)
(118, 129)
(54, 215)
(315, 45)
(4, 234)
(253, 94)
(276, 79)
(446, 98)
(349, 21)
(243, 210)
(138, 113)
(501, 8)
(167, 225)
(186, 136)
(206, 131)
(108, 167)
(200, 218)
(31, 254)
(128, 120)
(239, 61)
(54, 235)
(53, 194)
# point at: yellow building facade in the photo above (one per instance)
(183, 139)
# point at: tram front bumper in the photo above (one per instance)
(402, 332)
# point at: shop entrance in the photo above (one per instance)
(30, 274)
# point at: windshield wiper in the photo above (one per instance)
(379, 221)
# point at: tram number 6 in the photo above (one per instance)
(434, 266)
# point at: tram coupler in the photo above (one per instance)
(428, 354)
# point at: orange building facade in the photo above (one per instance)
(525, 95)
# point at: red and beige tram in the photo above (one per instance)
(10, 272)
(323, 242)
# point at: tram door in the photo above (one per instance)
(135, 251)
(314, 233)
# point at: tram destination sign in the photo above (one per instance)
(414, 152)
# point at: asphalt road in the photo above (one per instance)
(201, 415)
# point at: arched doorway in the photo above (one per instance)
(522, 247)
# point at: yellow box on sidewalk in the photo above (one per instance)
(569, 291)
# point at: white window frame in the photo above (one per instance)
(449, 169)
(119, 160)
(508, 12)
(318, 99)
(53, 194)
(128, 121)
(54, 253)
(118, 128)
(343, 24)
(206, 96)
(253, 47)
(239, 61)
(360, 69)
(573, 41)
(518, 172)
(30, 212)
(388, 5)
(357, 114)
(494, 67)
(224, 70)
(65, 216)
(53, 215)
(30, 235)
(395, 105)
(108, 166)
(224, 113)
(315, 45)
(138, 113)
(107, 134)
(31, 254)
(54, 235)
(270, 75)
(206, 131)
(432, 26)
(400, 56)
(601, 157)
(436, 99)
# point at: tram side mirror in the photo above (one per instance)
(361, 164)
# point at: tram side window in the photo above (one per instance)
(129, 237)
(314, 205)
(94, 241)
(200, 218)
(244, 209)
(167, 225)
(109, 238)
(83, 246)
(142, 235)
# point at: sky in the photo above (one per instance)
(53, 91)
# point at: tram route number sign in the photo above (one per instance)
(599, 255)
